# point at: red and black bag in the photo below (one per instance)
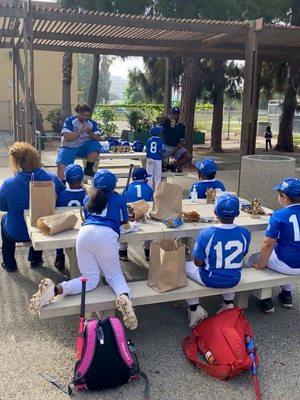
(224, 336)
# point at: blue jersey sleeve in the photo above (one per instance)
(200, 245)
(221, 186)
(247, 240)
(68, 126)
(273, 229)
(3, 197)
(95, 127)
(123, 210)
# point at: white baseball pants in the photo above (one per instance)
(277, 265)
(192, 271)
(97, 252)
(154, 168)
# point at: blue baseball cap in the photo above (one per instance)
(138, 146)
(74, 173)
(105, 180)
(227, 205)
(140, 174)
(156, 130)
(175, 110)
(289, 186)
(206, 166)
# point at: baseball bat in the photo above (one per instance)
(80, 338)
(251, 349)
(131, 166)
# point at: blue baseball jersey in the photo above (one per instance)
(14, 198)
(222, 248)
(202, 186)
(155, 148)
(284, 226)
(112, 216)
(72, 124)
(138, 190)
(71, 198)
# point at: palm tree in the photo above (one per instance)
(67, 64)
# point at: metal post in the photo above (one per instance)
(31, 67)
(14, 96)
(26, 75)
(228, 131)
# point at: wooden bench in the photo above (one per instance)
(103, 299)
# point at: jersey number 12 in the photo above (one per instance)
(231, 257)
(293, 219)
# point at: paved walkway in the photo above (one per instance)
(29, 346)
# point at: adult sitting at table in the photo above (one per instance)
(14, 199)
(174, 139)
(80, 138)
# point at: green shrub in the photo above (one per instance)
(135, 118)
(107, 116)
(54, 118)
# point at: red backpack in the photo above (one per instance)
(224, 336)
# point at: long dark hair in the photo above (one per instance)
(97, 202)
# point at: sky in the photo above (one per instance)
(120, 67)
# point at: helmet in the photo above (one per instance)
(124, 143)
(138, 146)
(113, 142)
(105, 180)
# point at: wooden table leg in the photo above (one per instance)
(74, 270)
(144, 162)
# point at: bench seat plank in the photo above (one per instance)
(103, 298)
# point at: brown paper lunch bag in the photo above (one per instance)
(167, 265)
(167, 201)
(42, 199)
(57, 223)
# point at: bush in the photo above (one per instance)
(134, 118)
(54, 118)
(107, 116)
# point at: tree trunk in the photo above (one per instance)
(93, 88)
(190, 83)
(285, 137)
(67, 65)
(218, 102)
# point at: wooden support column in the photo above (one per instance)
(251, 87)
(15, 124)
(168, 86)
(27, 121)
(31, 70)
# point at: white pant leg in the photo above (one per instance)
(123, 246)
(150, 171)
(87, 263)
(157, 171)
(147, 244)
(228, 296)
(192, 271)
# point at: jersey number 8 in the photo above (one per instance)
(153, 147)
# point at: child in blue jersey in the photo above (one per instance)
(219, 252)
(207, 170)
(137, 190)
(281, 247)
(97, 250)
(14, 199)
(72, 196)
(155, 151)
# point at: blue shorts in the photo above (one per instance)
(67, 155)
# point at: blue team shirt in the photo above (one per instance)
(72, 124)
(284, 226)
(154, 148)
(14, 198)
(112, 216)
(138, 190)
(202, 186)
(223, 248)
(70, 198)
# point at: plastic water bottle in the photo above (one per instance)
(194, 194)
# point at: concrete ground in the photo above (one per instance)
(29, 346)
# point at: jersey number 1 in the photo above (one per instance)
(138, 191)
(293, 219)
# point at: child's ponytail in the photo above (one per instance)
(97, 202)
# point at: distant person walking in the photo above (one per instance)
(268, 136)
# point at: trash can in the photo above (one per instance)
(260, 173)
(199, 137)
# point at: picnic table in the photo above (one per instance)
(152, 230)
(125, 156)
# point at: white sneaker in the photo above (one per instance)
(196, 316)
(43, 296)
(124, 305)
(225, 307)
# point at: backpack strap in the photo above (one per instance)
(89, 349)
(122, 344)
(189, 346)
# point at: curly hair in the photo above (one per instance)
(23, 156)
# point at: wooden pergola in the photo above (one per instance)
(30, 27)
